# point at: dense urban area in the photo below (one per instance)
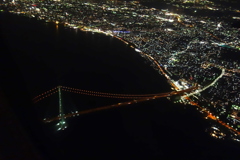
(191, 48)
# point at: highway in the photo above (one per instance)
(206, 87)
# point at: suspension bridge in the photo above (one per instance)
(132, 99)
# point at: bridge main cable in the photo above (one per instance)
(87, 92)
(107, 95)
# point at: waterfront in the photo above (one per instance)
(156, 128)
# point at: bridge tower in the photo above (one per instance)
(62, 123)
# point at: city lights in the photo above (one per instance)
(187, 50)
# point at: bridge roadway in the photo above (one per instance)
(161, 95)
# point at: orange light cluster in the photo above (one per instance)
(104, 93)
(45, 95)
(209, 115)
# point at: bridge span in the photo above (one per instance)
(134, 99)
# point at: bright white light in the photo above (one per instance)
(169, 29)
(137, 50)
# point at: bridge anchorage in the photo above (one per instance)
(133, 98)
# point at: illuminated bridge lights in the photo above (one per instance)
(61, 125)
(108, 95)
(37, 99)
(47, 92)
(62, 116)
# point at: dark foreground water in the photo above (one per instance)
(36, 57)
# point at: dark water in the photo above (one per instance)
(36, 57)
(230, 54)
